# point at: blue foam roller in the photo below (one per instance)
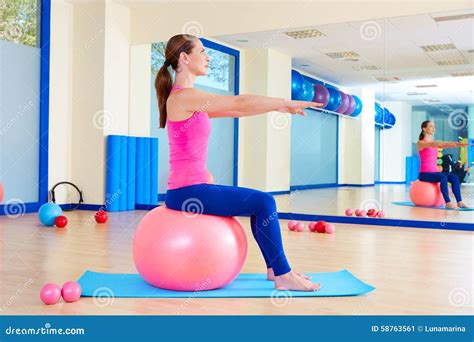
(112, 183)
(154, 171)
(146, 171)
(123, 173)
(139, 170)
(131, 169)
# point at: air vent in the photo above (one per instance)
(426, 86)
(387, 79)
(452, 62)
(351, 60)
(305, 65)
(462, 74)
(366, 67)
(343, 54)
(454, 17)
(470, 51)
(305, 34)
(430, 101)
(242, 40)
(415, 93)
(438, 47)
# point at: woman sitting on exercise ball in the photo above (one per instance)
(428, 150)
(186, 111)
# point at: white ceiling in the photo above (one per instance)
(393, 45)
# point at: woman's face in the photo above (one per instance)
(430, 128)
(198, 59)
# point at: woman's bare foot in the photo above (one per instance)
(294, 282)
(271, 275)
(462, 205)
(451, 205)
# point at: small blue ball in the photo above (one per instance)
(48, 213)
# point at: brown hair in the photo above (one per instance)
(424, 124)
(163, 82)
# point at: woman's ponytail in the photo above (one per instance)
(163, 81)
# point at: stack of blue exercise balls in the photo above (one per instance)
(331, 98)
(48, 213)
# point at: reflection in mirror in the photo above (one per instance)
(404, 70)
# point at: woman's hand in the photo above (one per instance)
(297, 107)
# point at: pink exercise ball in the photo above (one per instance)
(299, 227)
(71, 291)
(426, 194)
(175, 250)
(50, 293)
(1, 192)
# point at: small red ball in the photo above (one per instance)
(60, 221)
(101, 216)
(320, 226)
(371, 212)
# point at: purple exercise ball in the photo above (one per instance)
(344, 103)
(352, 106)
(321, 94)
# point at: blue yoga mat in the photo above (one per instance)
(410, 204)
(341, 283)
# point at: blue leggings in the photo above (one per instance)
(223, 200)
(443, 178)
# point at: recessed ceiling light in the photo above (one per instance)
(438, 47)
(387, 79)
(365, 67)
(426, 86)
(452, 62)
(454, 17)
(415, 93)
(461, 74)
(305, 34)
(343, 54)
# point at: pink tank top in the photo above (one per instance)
(188, 140)
(429, 159)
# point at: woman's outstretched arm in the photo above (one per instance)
(243, 105)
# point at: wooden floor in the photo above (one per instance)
(334, 201)
(416, 271)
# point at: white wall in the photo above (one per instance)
(396, 143)
(60, 93)
(264, 140)
(356, 142)
(140, 97)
